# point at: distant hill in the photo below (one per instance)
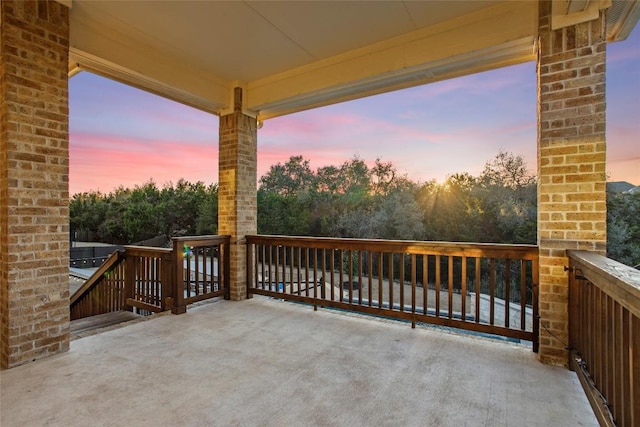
(620, 186)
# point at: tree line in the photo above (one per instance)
(128, 216)
(351, 200)
(354, 200)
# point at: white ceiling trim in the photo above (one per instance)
(495, 36)
(80, 60)
(435, 53)
(109, 53)
(622, 17)
(496, 56)
(565, 13)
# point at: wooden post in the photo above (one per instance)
(179, 307)
(167, 279)
(250, 269)
(226, 276)
(574, 297)
(129, 279)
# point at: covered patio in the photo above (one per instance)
(258, 361)
(285, 364)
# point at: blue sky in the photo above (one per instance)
(123, 136)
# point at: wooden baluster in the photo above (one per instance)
(523, 294)
(507, 292)
(463, 290)
(425, 284)
(390, 280)
(401, 277)
(437, 286)
(450, 287)
(413, 290)
(492, 290)
(478, 287)
(634, 369)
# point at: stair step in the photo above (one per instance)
(90, 325)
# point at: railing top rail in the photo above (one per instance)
(619, 281)
(147, 251)
(406, 246)
(201, 240)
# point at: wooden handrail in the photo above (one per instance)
(117, 297)
(114, 259)
(152, 279)
(494, 287)
(210, 275)
(486, 250)
(148, 278)
(164, 253)
(604, 335)
(202, 240)
(619, 281)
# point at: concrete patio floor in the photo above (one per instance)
(270, 363)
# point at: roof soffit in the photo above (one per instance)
(460, 46)
(290, 56)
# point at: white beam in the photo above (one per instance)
(565, 13)
(461, 46)
(113, 56)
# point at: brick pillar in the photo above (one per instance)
(571, 164)
(34, 190)
(237, 199)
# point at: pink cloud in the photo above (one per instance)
(101, 164)
(624, 170)
(329, 129)
(421, 154)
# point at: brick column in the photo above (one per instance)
(34, 190)
(571, 164)
(237, 198)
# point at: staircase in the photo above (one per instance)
(86, 326)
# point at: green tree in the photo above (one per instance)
(281, 214)
(179, 207)
(382, 177)
(623, 227)
(507, 197)
(141, 217)
(354, 178)
(450, 210)
(207, 222)
(289, 178)
(506, 170)
(87, 211)
(394, 217)
(346, 200)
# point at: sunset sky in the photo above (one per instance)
(122, 136)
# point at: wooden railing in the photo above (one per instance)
(604, 334)
(134, 277)
(103, 292)
(486, 288)
(151, 280)
(148, 273)
(201, 269)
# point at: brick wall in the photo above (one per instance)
(237, 202)
(34, 161)
(571, 164)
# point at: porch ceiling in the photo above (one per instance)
(290, 56)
